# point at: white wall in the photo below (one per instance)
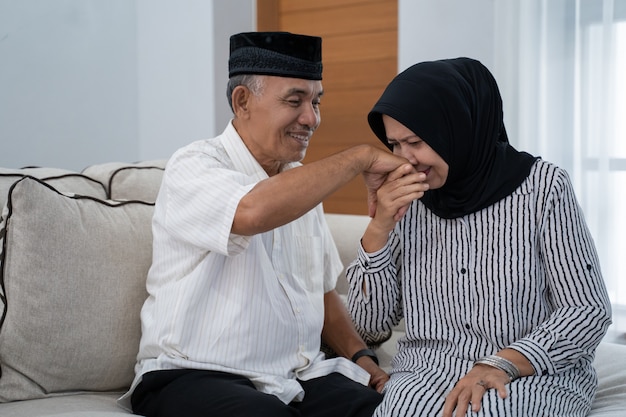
(183, 49)
(68, 77)
(174, 59)
(440, 29)
(89, 81)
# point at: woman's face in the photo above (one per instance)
(408, 145)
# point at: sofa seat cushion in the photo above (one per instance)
(82, 405)
(73, 281)
(610, 364)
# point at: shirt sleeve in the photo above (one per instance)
(576, 290)
(201, 196)
(332, 260)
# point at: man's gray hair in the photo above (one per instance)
(253, 82)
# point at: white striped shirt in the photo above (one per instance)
(522, 273)
(247, 305)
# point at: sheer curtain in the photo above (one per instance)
(561, 65)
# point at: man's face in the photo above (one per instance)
(282, 120)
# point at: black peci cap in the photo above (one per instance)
(281, 54)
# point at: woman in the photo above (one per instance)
(493, 268)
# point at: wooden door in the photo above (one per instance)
(359, 53)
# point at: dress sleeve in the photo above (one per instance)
(575, 288)
(375, 294)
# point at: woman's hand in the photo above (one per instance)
(400, 188)
(472, 387)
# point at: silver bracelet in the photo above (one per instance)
(502, 364)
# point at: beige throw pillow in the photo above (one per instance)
(61, 179)
(73, 277)
(136, 181)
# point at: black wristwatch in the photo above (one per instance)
(365, 352)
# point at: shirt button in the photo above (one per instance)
(463, 270)
(467, 326)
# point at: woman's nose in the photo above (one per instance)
(404, 152)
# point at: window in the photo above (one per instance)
(568, 105)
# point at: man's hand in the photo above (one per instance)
(339, 333)
(378, 377)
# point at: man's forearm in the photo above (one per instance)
(286, 196)
(339, 332)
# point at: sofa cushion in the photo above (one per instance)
(135, 181)
(83, 405)
(610, 364)
(347, 230)
(73, 279)
(61, 179)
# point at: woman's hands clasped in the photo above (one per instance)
(402, 186)
(393, 197)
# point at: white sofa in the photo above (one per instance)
(76, 248)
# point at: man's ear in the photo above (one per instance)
(241, 97)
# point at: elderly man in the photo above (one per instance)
(241, 290)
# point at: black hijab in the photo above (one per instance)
(454, 105)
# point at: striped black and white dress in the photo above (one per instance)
(522, 273)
